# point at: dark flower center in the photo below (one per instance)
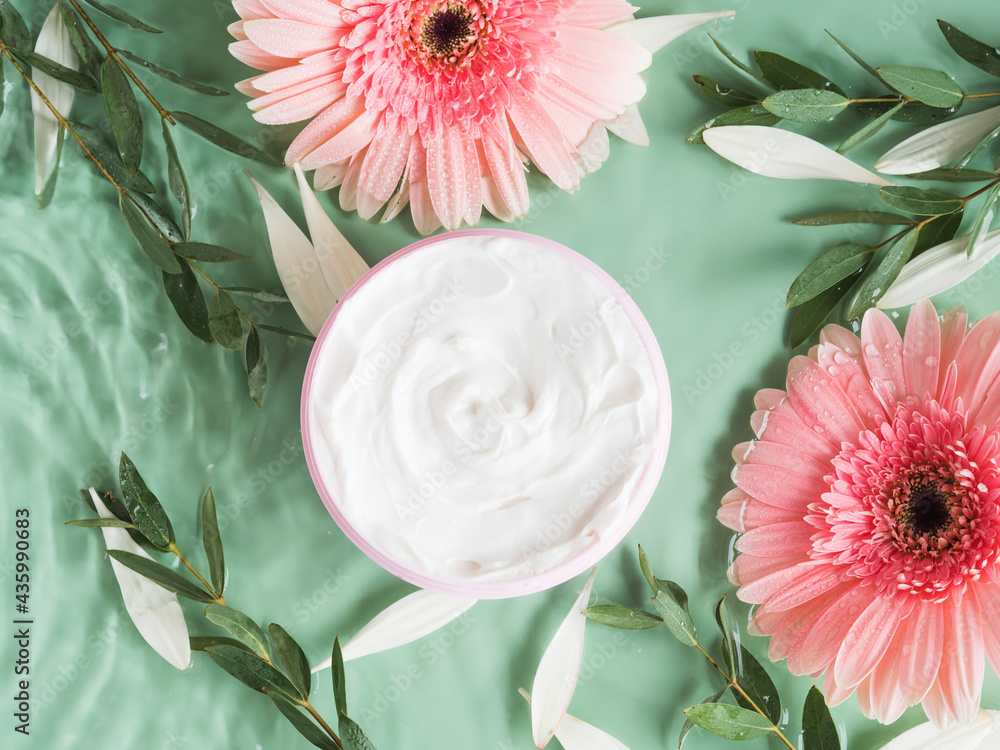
(927, 511)
(446, 31)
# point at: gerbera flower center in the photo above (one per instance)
(447, 30)
(927, 512)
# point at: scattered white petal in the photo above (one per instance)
(785, 155)
(154, 610)
(629, 127)
(559, 670)
(412, 617)
(341, 264)
(54, 43)
(656, 32)
(939, 145)
(982, 733)
(576, 734)
(398, 201)
(939, 269)
(296, 262)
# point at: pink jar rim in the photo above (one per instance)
(641, 494)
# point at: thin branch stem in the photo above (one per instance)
(988, 186)
(219, 598)
(326, 727)
(736, 686)
(113, 52)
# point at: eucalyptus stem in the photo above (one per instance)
(736, 686)
(113, 52)
(308, 706)
(219, 598)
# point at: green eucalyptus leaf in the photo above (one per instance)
(60, 72)
(104, 523)
(352, 736)
(259, 294)
(123, 112)
(286, 332)
(862, 135)
(211, 540)
(13, 31)
(224, 321)
(178, 182)
(85, 47)
(943, 174)
(730, 639)
(805, 105)
(157, 216)
(879, 281)
(829, 269)
(671, 602)
(623, 618)
(937, 230)
(201, 88)
(920, 201)
(292, 658)
(148, 238)
(853, 217)
(113, 11)
(754, 680)
(240, 626)
(854, 56)
(109, 158)
(647, 570)
(983, 56)
(2, 86)
(788, 74)
(303, 723)
(256, 367)
(49, 186)
(979, 147)
(819, 732)
(736, 61)
(143, 507)
(932, 87)
(755, 114)
(689, 725)
(161, 575)
(252, 671)
(186, 296)
(339, 678)
(729, 722)
(224, 139)
(201, 642)
(984, 221)
(812, 314)
(724, 95)
(206, 253)
(915, 112)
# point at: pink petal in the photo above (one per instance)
(348, 142)
(764, 588)
(251, 9)
(544, 142)
(295, 75)
(867, 640)
(777, 540)
(421, 208)
(317, 12)
(293, 39)
(833, 693)
(598, 13)
(382, 168)
(921, 351)
(298, 103)
(656, 32)
(821, 403)
(883, 351)
(747, 568)
(506, 168)
(329, 123)
(978, 361)
(790, 626)
(885, 695)
(851, 377)
(960, 677)
(349, 187)
(819, 647)
(250, 54)
(769, 398)
(776, 454)
(592, 49)
(779, 487)
(844, 340)
(954, 324)
(789, 429)
(451, 186)
(921, 656)
(989, 602)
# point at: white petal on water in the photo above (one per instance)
(341, 264)
(785, 155)
(298, 267)
(576, 734)
(656, 32)
(939, 269)
(412, 617)
(53, 42)
(629, 127)
(154, 610)
(939, 145)
(559, 670)
(982, 733)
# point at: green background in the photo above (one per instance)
(96, 362)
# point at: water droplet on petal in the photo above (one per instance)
(871, 350)
(931, 361)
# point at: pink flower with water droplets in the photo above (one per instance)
(869, 514)
(439, 103)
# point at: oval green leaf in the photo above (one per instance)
(755, 114)
(879, 281)
(88, 51)
(224, 321)
(13, 30)
(303, 723)
(292, 658)
(830, 268)
(984, 221)
(286, 332)
(113, 11)
(201, 642)
(913, 111)
(724, 95)
(177, 181)
(104, 523)
(109, 158)
(920, 201)
(647, 570)
(671, 602)
(252, 671)
(932, 87)
(943, 174)
(240, 626)
(256, 367)
(60, 72)
(123, 112)
(143, 507)
(754, 680)
(169, 75)
(225, 139)
(186, 296)
(728, 721)
(211, 540)
(788, 74)
(689, 725)
(853, 217)
(339, 678)
(857, 58)
(983, 56)
(812, 314)
(862, 135)
(805, 105)
(937, 230)
(352, 736)
(49, 186)
(819, 732)
(623, 618)
(206, 253)
(148, 238)
(260, 294)
(161, 575)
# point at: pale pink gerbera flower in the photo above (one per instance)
(436, 102)
(869, 513)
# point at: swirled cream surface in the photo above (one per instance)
(482, 408)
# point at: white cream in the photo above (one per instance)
(482, 409)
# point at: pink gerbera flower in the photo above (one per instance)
(869, 514)
(438, 102)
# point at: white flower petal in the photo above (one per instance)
(559, 670)
(297, 265)
(939, 145)
(629, 127)
(341, 264)
(979, 734)
(939, 269)
(653, 33)
(574, 734)
(154, 610)
(54, 43)
(785, 155)
(412, 617)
